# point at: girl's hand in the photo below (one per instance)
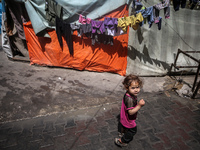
(141, 102)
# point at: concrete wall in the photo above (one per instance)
(151, 51)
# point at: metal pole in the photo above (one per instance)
(196, 90)
(195, 80)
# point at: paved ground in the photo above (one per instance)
(62, 109)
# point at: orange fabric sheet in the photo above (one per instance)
(100, 57)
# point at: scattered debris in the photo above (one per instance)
(185, 91)
(180, 86)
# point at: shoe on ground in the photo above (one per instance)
(117, 142)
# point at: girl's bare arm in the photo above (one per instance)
(137, 108)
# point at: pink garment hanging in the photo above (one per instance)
(84, 20)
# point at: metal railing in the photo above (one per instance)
(197, 73)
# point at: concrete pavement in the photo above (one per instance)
(46, 108)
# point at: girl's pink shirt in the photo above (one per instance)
(127, 120)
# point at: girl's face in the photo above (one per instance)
(134, 88)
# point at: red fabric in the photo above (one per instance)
(100, 57)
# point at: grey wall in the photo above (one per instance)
(151, 51)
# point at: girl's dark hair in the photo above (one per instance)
(129, 79)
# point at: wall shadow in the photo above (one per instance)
(134, 53)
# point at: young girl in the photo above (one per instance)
(129, 108)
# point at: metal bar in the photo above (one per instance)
(177, 57)
(170, 69)
(174, 62)
(196, 77)
(192, 51)
(186, 67)
(196, 90)
(189, 56)
(177, 67)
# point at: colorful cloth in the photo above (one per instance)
(124, 23)
(147, 13)
(136, 20)
(163, 5)
(97, 27)
(128, 102)
(84, 20)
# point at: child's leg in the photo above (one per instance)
(121, 128)
(128, 136)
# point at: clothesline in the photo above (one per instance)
(157, 7)
(103, 31)
(99, 31)
(154, 12)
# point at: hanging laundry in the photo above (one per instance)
(147, 13)
(97, 27)
(18, 16)
(158, 23)
(86, 29)
(163, 5)
(98, 33)
(81, 29)
(110, 25)
(136, 20)
(111, 28)
(193, 3)
(64, 29)
(76, 27)
(53, 9)
(177, 3)
(124, 23)
(119, 32)
(137, 5)
(132, 21)
(84, 20)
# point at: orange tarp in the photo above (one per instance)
(100, 57)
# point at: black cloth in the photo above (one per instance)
(128, 133)
(64, 29)
(193, 3)
(17, 15)
(53, 9)
(177, 3)
(158, 23)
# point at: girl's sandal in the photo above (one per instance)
(117, 142)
